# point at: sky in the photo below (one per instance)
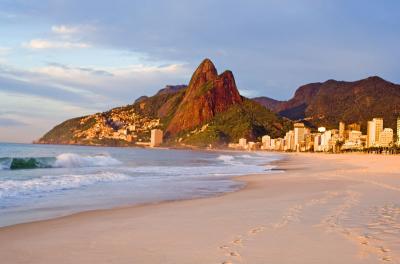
(66, 58)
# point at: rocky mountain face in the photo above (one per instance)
(209, 110)
(332, 101)
(207, 95)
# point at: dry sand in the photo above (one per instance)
(322, 209)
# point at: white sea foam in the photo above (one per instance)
(226, 158)
(45, 184)
(5, 163)
(65, 160)
(71, 160)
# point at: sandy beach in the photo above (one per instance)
(321, 209)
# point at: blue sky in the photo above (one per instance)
(65, 58)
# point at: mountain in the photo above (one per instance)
(209, 110)
(207, 95)
(269, 103)
(328, 103)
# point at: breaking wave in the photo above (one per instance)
(65, 160)
(46, 184)
(226, 158)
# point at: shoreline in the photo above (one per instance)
(237, 178)
(252, 225)
(225, 149)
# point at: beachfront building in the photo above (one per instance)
(272, 143)
(378, 128)
(354, 141)
(386, 137)
(156, 137)
(354, 126)
(289, 141)
(251, 145)
(355, 136)
(302, 139)
(342, 128)
(266, 142)
(370, 134)
(299, 132)
(279, 142)
(243, 143)
(374, 130)
(317, 142)
(398, 131)
(326, 140)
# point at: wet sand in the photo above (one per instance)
(322, 209)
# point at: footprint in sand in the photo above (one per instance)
(256, 230)
(237, 242)
(234, 254)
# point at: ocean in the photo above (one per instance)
(45, 181)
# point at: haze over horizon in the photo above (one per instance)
(63, 59)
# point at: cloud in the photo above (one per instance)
(50, 44)
(24, 117)
(9, 122)
(45, 96)
(72, 29)
(63, 29)
(54, 66)
(100, 87)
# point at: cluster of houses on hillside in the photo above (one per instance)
(118, 125)
(349, 137)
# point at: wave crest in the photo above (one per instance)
(45, 184)
(71, 160)
(65, 160)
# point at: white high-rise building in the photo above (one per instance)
(325, 140)
(378, 128)
(273, 143)
(398, 131)
(266, 142)
(289, 140)
(386, 137)
(317, 142)
(299, 132)
(374, 129)
(371, 134)
(156, 137)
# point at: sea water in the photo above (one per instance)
(45, 181)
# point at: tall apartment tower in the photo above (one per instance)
(299, 132)
(398, 131)
(370, 134)
(378, 128)
(289, 140)
(156, 137)
(342, 128)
